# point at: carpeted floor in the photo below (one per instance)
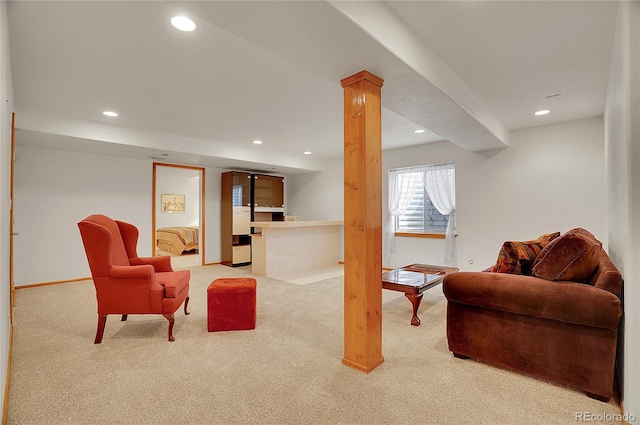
(286, 371)
(186, 260)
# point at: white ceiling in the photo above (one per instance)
(467, 71)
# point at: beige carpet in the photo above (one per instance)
(286, 371)
(186, 260)
(311, 276)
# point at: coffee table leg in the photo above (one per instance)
(415, 302)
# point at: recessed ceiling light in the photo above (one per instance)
(542, 112)
(418, 131)
(307, 152)
(110, 113)
(183, 23)
(257, 142)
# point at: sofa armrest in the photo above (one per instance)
(563, 301)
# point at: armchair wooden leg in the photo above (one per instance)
(102, 319)
(171, 320)
(186, 303)
(124, 317)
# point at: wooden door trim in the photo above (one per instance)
(11, 226)
(12, 159)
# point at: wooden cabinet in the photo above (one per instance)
(241, 254)
(261, 190)
(235, 216)
(277, 191)
(241, 189)
(268, 191)
(245, 196)
(240, 221)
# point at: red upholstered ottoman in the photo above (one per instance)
(231, 304)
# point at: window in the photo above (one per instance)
(420, 214)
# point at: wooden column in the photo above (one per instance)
(362, 222)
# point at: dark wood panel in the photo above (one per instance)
(277, 191)
(262, 190)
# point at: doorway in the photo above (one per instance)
(178, 214)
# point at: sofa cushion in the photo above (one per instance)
(572, 256)
(517, 257)
(174, 282)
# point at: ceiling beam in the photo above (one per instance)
(426, 91)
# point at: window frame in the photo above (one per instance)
(430, 234)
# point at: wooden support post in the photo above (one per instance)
(362, 222)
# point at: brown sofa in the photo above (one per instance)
(562, 331)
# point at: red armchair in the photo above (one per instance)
(125, 283)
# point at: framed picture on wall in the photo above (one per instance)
(172, 204)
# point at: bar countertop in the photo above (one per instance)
(285, 224)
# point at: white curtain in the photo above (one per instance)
(402, 185)
(440, 183)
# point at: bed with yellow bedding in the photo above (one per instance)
(177, 239)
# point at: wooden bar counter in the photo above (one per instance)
(286, 247)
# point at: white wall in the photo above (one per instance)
(56, 189)
(317, 196)
(622, 128)
(552, 178)
(6, 107)
(178, 181)
(213, 196)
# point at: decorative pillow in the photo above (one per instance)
(517, 257)
(573, 256)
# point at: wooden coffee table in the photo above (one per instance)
(413, 280)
